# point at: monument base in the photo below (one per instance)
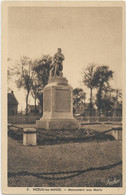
(57, 106)
(57, 124)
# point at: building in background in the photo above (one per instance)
(12, 104)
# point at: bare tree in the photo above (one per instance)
(24, 77)
(41, 68)
(88, 80)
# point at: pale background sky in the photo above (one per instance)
(85, 35)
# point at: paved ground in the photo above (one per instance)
(63, 164)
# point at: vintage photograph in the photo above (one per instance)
(64, 114)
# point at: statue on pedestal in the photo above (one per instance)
(57, 99)
(57, 66)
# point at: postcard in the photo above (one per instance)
(63, 116)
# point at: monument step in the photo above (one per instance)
(57, 124)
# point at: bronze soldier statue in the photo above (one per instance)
(57, 66)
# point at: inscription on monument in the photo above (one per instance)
(63, 100)
(47, 101)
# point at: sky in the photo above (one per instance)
(85, 35)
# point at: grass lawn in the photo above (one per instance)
(83, 164)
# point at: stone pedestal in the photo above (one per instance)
(29, 137)
(57, 106)
(117, 132)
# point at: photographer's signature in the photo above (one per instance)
(113, 181)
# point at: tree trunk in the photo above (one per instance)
(27, 103)
(106, 113)
(35, 104)
(99, 100)
(90, 101)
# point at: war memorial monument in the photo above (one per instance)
(57, 99)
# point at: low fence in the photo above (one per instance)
(23, 119)
(97, 119)
(32, 119)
